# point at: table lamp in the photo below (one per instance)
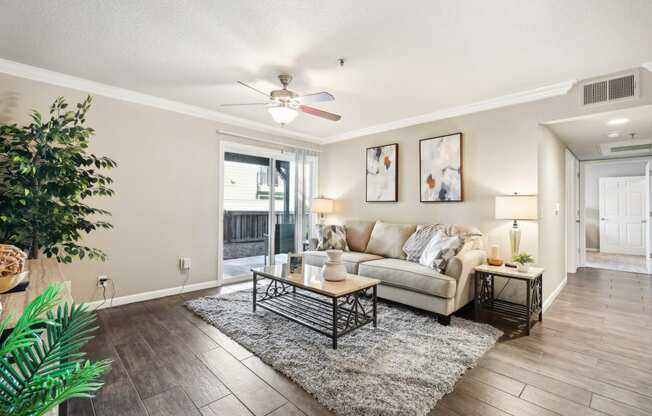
(322, 206)
(516, 207)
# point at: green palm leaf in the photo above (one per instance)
(40, 366)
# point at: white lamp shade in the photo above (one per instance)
(322, 205)
(516, 207)
(283, 114)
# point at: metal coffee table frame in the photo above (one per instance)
(333, 316)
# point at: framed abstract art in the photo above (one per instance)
(440, 169)
(382, 173)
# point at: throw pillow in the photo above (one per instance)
(414, 246)
(332, 237)
(440, 250)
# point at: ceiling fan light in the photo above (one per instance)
(282, 114)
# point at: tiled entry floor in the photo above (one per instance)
(621, 262)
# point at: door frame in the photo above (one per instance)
(273, 155)
(572, 242)
(583, 164)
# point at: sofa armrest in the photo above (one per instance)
(461, 267)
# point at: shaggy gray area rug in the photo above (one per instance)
(401, 368)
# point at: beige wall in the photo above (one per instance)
(500, 150)
(552, 210)
(500, 157)
(166, 185)
(505, 151)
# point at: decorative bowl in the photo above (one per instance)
(11, 281)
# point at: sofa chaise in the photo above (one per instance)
(376, 250)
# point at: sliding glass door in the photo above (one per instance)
(246, 207)
(265, 201)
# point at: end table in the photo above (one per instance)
(485, 300)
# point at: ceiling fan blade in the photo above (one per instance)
(236, 105)
(317, 97)
(252, 88)
(319, 113)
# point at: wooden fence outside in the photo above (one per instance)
(249, 226)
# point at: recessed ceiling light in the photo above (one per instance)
(613, 135)
(618, 121)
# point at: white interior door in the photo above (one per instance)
(648, 231)
(623, 225)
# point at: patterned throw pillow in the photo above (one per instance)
(440, 250)
(332, 237)
(414, 246)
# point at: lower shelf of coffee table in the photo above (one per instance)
(316, 313)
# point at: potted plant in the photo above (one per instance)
(47, 175)
(40, 365)
(523, 261)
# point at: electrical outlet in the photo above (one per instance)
(185, 263)
(101, 280)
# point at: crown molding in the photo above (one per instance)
(56, 78)
(648, 66)
(540, 93)
(62, 80)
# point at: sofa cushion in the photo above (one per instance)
(409, 276)
(351, 259)
(387, 240)
(358, 233)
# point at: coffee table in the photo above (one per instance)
(330, 308)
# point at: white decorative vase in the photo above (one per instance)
(334, 270)
(523, 267)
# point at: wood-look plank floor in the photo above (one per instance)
(591, 356)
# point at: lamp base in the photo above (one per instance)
(515, 239)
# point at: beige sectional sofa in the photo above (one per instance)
(376, 250)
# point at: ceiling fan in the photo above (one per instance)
(284, 104)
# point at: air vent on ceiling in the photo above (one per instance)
(632, 147)
(622, 87)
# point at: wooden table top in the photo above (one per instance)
(311, 280)
(42, 272)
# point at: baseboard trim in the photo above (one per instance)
(154, 294)
(593, 249)
(548, 302)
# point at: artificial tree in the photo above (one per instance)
(40, 363)
(46, 176)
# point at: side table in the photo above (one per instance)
(485, 296)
